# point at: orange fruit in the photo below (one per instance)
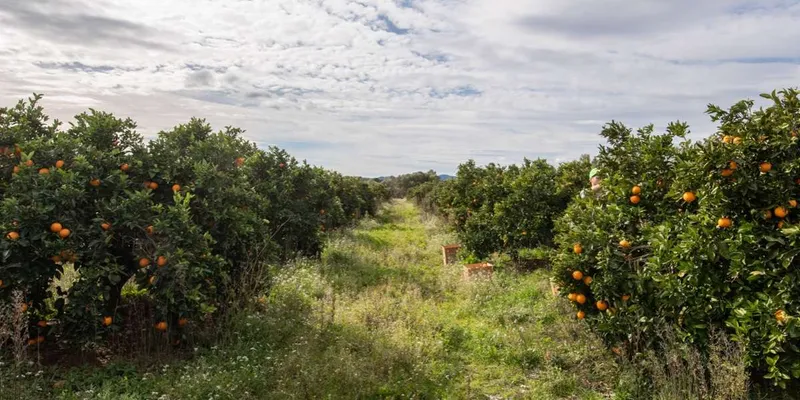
(176, 188)
(125, 167)
(733, 165)
(161, 326)
(793, 203)
(23, 307)
(765, 167)
(2, 284)
(767, 214)
(727, 139)
(42, 324)
(572, 296)
(56, 227)
(580, 299)
(635, 199)
(44, 171)
(12, 235)
(577, 249)
(281, 165)
(149, 229)
(107, 321)
(29, 163)
(581, 315)
(105, 225)
(727, 172)
(626, 297)
(240, 161)
(56, 259)
(182, 322)
(625, 244)
(577, 275)
(781, 212)
(724, 222)
(60, 164)
(587, 280)
(161, 261)
(322, 212)
(601, 305)
(636, 190)
(144, 262)
(689, 197)
(153, 186)
(780, 316)
(95, 182)
(64, 233)
(16, 169)
(780, 225)
(152, 280)
(31, 342)
(737, 140)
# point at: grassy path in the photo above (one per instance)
(379, 317)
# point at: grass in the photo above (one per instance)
(377, 317)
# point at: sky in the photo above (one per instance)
(383, 87)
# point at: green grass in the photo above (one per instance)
(377, 317)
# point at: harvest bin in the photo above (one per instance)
(449, 253)
(473, 270)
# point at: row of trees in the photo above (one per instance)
(184, 216)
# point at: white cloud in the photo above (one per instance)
(383, 87)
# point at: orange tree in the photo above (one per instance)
(180, 216)
(711, 243)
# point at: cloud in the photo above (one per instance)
(377, 87)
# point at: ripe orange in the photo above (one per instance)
(16, 169)
(765, 167)
(724, 222)
(626, 297)
(161, 261)
(161, 326)
(31, 342)
(601, 305)
(149, 230)
(625, 244)
(737, 140)
(733, 165)
(580, 299)
(322, 212)
(727, 139)
(780, 225)
(153, 186)
(146, 184)
(689, 197)
(577, 249)
(144, 262)
(635, 199)
(182, 322)
(29, 163)
(125, 167)
(781, 212)
(577, 275)
(44, 171)
(587, 280)
(42, 324)
(727, 172)
(176, 188)
(105, 225)
(56, 227)
(581, 315)
(281, 165)
(95, 182)
(56, 259)
(780, 316)
(793, 203)
(23, 307)
(572, 296)
(64, 233)
(2, 284)
(107, 321)
(240, 161)
(12, 235)
(60, 164)
(636, 190)
(767, 214)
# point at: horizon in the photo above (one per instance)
(381, 88)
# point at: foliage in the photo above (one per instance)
(710, 245)
(180, 216)
(399, 186)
